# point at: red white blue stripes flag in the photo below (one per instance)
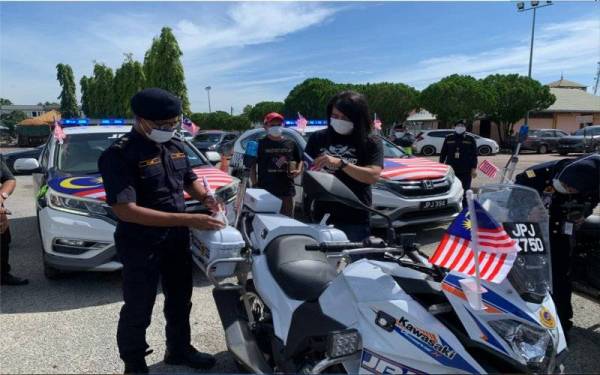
(488, 168)
(497, 251)
(189, 125)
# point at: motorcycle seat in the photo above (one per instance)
(302, 275)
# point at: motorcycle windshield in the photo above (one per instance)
(525, 219)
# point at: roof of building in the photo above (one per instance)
(44, 119)
(566, 84)
(573, 100)
(28, 107)
(422, 115)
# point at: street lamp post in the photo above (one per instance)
(534, 5)
(208, 88)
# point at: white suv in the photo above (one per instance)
(430, 142)
(76, 225)
(412, 190)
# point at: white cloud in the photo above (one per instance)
(572, 47)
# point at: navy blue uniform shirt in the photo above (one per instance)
(137, 170)
(459, 152)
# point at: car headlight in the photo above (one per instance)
(228, 192)
(451, 176)
(75, 205)
(534, 345)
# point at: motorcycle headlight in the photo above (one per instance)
(534, 345)
(343, 343)
(75, 205)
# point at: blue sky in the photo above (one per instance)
(250, 51)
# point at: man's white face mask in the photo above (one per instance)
(161, 136)
(399, 134)
(275, 131)
(342, 127)
(460, 129)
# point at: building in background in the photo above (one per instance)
(30, 111)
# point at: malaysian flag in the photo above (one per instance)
(488, 168)
(189, 125)
(58, 132)
(301, 123)
(497, 251)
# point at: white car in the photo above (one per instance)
(430, 142)
(76, 225)
(412, 190)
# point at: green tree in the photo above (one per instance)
(310, 98)
(163, 68)
(220, 120)
(87, 106)
(11, 119)
(97, 96)
(456, 97)
(515, 95)
(129, 79)
(247, 109)
(258, 112)
(4, 101)
(392, 102)
(68, 100)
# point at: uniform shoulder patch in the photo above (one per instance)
(121, 142)
(530, 173)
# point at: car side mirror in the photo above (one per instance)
(27, 165)
(213, 156)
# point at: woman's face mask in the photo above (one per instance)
(342, 127)
(559, 187)
(460, 129)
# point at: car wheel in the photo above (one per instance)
(428, 150)
(543, 149)
(484, 150)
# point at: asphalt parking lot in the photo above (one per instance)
(69, 325)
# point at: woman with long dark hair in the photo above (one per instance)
(348, 149)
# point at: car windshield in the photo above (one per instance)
(79, 153)
(584, 131)
(390, 150)
(208, 137)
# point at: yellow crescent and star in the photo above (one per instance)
(72, 183)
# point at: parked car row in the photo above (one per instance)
(430, 142)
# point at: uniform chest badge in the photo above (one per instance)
(177, 155)
(149, 162)
(530, 173)
(546, 318)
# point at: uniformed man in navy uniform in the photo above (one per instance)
(145, 174)
(460, 152)
(570, 189)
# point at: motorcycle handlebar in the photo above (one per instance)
(335, 247)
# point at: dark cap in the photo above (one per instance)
(272, 116)
(460, 122)
(155, 104)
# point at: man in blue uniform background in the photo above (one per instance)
(145, 174)
(570, 189)
(460, 152)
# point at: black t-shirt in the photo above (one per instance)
(331, 143)
(272, 165)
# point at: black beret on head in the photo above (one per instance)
(155, 104)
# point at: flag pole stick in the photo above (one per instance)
(474, 241)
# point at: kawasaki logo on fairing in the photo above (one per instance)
(428, 338)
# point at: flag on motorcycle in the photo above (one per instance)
(58, 132)
(488, 168)
(497, 251)
(189, 125)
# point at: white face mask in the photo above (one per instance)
(460, 129)
(275, 131)
(399, 134)
(559, 187)
(161, 136)
(342, 127)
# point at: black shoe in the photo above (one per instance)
(9, 279)
(191, 358)
(136, 367)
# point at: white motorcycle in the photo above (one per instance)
(307, 300)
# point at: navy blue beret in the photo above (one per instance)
(155, 104)
(583, 174)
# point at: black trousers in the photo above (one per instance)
(465, 178)
(4, 245)
(143, 265)
(560, 251)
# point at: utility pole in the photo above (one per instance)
(597, 79)
(208, 88)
